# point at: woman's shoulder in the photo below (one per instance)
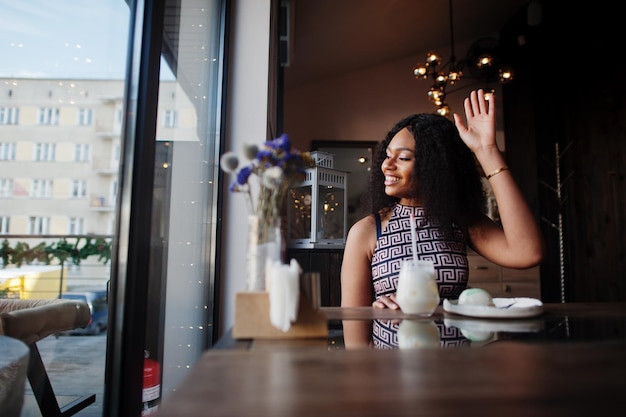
(366, 224)
(363, 230)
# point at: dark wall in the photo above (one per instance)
(565, 124)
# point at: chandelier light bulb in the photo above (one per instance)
(489, 92)
(505, 74)
(432, 58)
(420, 71)
(443, 110)
(436, 95)
(441, 79)
(454, 76)
(484, 61)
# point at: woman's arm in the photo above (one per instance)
(356, 280)
(356, 269)
(518, 243)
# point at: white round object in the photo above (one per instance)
(475, 296)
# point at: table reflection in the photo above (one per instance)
(411, 334)
(450, 330)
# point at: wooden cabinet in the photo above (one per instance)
(503, 282)
(328, 263)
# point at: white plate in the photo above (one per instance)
(494, 325)
(502, 308)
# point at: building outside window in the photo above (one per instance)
(6, 187)
(9, 115)
(7, 151)
(4, 225)
(38, 225)
(119, 117)
(113, 192)
(85, 117)
(76, 226)
(170, 118)
(79, 188)
(48, 116)
(41, 188)
(81, 152)
(45, 152)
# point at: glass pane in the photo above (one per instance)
(184, 221)
(61, 87)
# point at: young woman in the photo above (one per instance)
(425, 166)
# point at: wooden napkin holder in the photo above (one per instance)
(252, 319)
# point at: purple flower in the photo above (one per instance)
(280, 143)
(243, 175)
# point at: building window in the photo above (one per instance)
(76, 226)
(48, 116)
(38, 225)
(45, 152)
(79, 188)
(4, 225)
(9, 115)
(6, 187)
(114, 192)
(81, 152)
(170, 118)
(7, 151)
(119, 117)
(41, 188)
(116, 153)
(85, 117)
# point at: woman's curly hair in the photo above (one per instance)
(445, 177)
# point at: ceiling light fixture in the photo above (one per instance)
(481, 64)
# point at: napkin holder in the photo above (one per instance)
(252, 319)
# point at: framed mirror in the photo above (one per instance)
(355, 158)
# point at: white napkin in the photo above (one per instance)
(283, 284)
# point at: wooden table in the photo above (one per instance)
(581, 376)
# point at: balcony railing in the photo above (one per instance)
(101, 203)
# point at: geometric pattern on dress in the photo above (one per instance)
(385, 335)
(449, 255)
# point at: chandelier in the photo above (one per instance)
(481, 64)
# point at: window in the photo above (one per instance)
(9, 115)
(119, 117)
(38, 225)
(113, 192)
(79, 188)
(48, 116)
(45, 151)
(6, 187)
(85, 117)
(41, 188)
(170, 118)
(76, 226)
(7, 151)
(4, 225)
(81, 152)
(116, 153)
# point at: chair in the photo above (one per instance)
(33, 320)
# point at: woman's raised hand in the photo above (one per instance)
(480, 113)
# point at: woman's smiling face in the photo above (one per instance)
(398, 167)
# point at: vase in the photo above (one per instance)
(264, 243)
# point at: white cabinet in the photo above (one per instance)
(503, 282)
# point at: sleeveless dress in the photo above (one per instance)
(394, 244)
